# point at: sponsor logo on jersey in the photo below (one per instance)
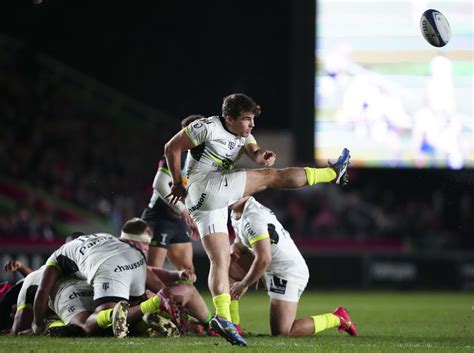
(71, 309)
(128, 267)
(222, 142)
(249, 230)
(278, 285)
(199, 204)
(94, 242)
(84, 293)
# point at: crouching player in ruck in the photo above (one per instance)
(264, 247)
(114, 268)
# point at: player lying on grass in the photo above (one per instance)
(81, 313)
(116, 270)
(264, 247)
(72, 302)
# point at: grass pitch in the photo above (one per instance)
(387, 322)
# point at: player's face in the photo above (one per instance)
(243, 125)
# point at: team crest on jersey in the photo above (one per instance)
(197, 125)
(231, 145)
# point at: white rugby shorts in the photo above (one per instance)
(283, 289)
(208, 197)
(72, 297)
(122, 276)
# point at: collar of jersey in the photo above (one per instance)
(221, 118)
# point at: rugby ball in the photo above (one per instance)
(435, 28)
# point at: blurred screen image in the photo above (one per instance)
(385, 93)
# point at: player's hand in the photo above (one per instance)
(237, 290)
(187, 275)
(192, 226)
(12, 266)
(178, 193)
(269, 158)
(38, 327)
(234, 254)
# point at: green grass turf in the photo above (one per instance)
(387, 322)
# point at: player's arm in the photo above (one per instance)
(173, 149)
(40, 307)
(260, 156)
(237, 248)
(263, 257)
(23, 318)
(17, 265)
(153, 280)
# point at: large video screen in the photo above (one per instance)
(388, 95)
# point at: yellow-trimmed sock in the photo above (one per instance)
(209, 318)
(56, 323)
(325, 321)
(319, 175)
(222, 305)
(234, 312)
(104, 318)
(151, 305)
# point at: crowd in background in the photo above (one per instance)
(84, 158)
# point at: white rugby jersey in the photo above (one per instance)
(216, 149)
(84, 255)
(259, 222)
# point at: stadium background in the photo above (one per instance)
(90, 92)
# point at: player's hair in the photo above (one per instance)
(135, 226)
(190, 118)
(75, 235)
(237, 103)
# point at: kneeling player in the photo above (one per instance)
(264, 247)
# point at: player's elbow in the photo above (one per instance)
(169, 148)
(264, 261)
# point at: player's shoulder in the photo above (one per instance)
(208, 122)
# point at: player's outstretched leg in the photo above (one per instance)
(227, 330)
(346, 322)
(119, 319)
(259, 180)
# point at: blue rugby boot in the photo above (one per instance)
(227, 330)
(340, 167)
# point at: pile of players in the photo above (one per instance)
(98, 283)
